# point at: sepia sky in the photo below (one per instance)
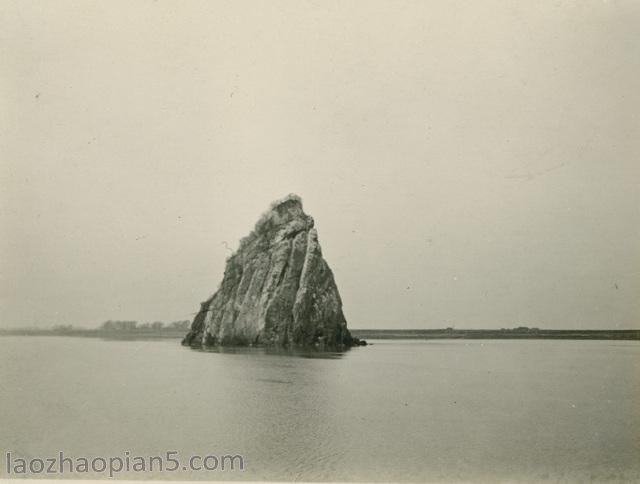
(468, 164)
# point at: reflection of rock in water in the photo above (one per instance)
(277, 289)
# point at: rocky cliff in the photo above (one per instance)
(277, 289)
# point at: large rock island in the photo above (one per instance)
(277, 289)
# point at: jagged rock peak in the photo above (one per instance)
(285, 216)
(277, 288)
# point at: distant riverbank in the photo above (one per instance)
(448, 333)
(516, 333)
(97, 333)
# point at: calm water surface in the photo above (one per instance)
(396, 410)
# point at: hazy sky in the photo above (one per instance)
(468, 164)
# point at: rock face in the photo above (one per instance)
(276, 290)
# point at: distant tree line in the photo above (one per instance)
(521, 329)
(135, 326)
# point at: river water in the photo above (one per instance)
(395, 410)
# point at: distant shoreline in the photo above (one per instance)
(415, 334)
(517, 333)
(96, 333)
